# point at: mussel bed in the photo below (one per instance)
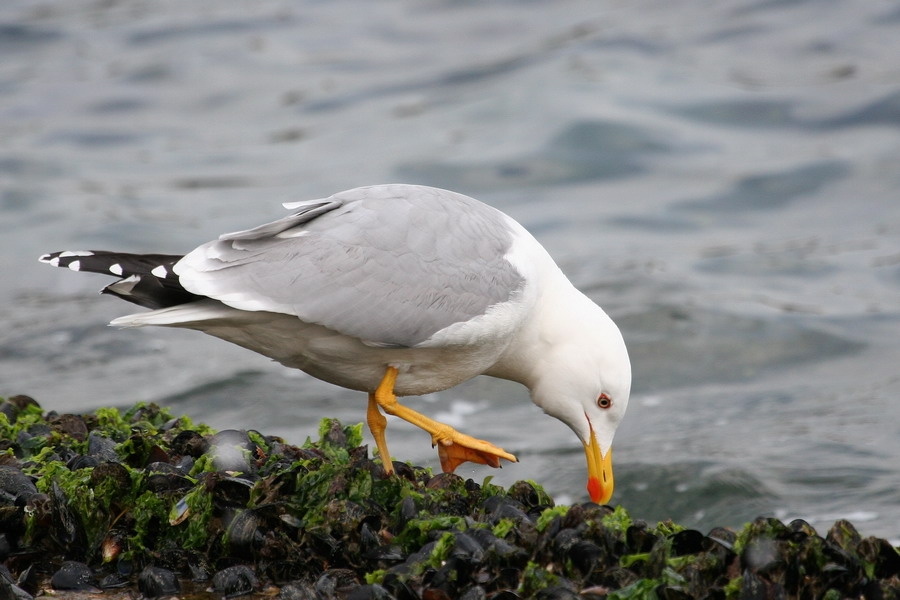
(142, 501)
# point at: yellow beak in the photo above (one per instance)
(600, 474)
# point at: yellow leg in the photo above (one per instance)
(377, 425)
(454, 448)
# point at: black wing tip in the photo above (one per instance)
(147, 280)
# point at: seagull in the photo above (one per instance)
(396, 290)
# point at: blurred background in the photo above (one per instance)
(723, 178)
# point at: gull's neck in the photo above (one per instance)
(561, 319)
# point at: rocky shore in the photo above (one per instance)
(144, 503)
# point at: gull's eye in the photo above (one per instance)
(604, 401)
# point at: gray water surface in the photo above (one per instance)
(723, 178)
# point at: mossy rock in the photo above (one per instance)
(121, 491)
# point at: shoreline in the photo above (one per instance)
(144, 502)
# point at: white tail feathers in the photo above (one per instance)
(182, 315)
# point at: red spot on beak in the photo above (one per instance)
(595, 489)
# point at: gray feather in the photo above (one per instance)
(391, 265)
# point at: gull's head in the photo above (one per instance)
(585, 382)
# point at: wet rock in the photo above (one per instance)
(74, 576)
(154, 582)
(326, 515)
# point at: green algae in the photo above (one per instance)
(617, 521)
(549, 515)
(296, 512)
(535, 578)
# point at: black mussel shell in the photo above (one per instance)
(686, 542)
(336, 582)
(154, 582)
(557, 592)
(190, 443)
(369, 592)
(102, 448)
(15, 486)
(297, 590)
(74, 576)
(235, 581)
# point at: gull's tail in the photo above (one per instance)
(147, 280)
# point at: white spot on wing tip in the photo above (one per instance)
(160, 271)
(75, 265)
(44, 258)
(116, 269)
(70, 253)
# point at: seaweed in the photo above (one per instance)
(141, 498)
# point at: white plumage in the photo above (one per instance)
(396, 290)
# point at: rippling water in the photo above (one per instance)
(724, 179)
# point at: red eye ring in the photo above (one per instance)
(604, 401)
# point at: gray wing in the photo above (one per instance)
(391, 265)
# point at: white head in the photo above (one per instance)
(585, 381)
